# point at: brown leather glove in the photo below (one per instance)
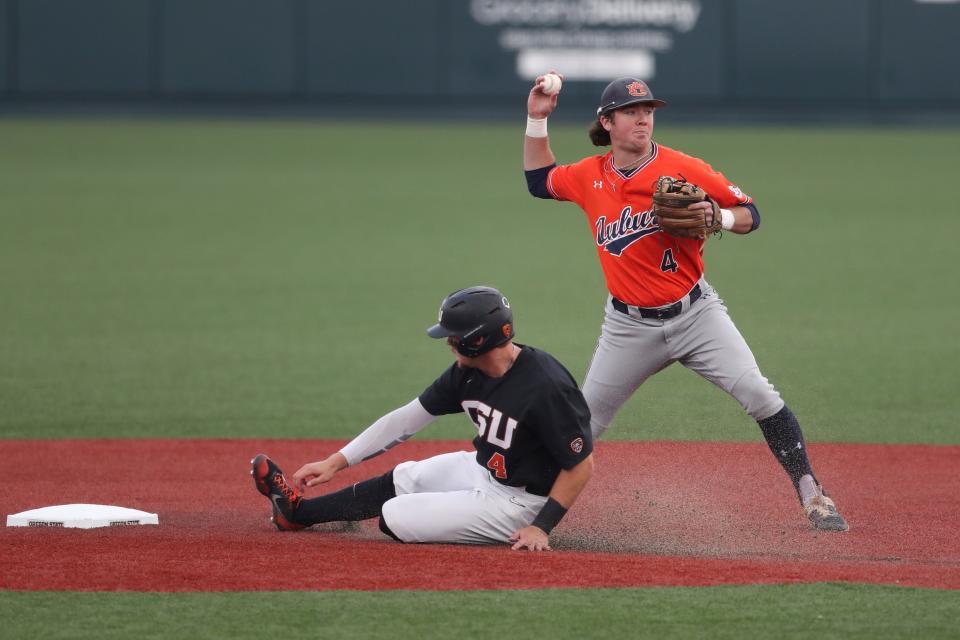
(671, 201)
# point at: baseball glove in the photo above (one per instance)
(671, 200)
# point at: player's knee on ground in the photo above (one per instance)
(409, 525)
(390, 517)
(386, 530)
(401, 524)
(757, 396)
(456, 517)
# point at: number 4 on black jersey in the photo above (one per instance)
(531, 422)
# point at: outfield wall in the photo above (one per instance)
(856, 53)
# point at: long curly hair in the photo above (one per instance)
(599, 136)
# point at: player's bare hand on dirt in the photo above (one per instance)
(532, 538)
(315, 473)
(539, 104)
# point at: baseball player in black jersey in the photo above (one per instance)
(533, 450)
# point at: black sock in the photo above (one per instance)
(785, 439)
(358, 502)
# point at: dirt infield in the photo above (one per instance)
(660, 513)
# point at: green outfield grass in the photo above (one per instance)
(798, 611)
(273, 278)
(270, 278)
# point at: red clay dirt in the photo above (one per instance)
(655, 514)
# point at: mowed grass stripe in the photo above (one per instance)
(274, 278)
(794, 611)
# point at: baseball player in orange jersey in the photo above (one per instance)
(660, 309)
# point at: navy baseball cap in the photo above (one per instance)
(624, 91)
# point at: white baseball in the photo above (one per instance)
(551, 84)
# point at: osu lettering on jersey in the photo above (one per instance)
(642, 266)
(532, 422)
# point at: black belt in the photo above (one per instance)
(660, 313)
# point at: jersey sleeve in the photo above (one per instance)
(443, 396)
(563, 182)
(563, 421)
(715, 183)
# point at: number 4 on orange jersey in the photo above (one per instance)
(498, 464)
(668, 263)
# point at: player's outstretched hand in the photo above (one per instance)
(539, 104)
(532, 538)
(315, 473)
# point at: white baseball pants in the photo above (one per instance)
(450, 498)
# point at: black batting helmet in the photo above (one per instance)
(479, 318)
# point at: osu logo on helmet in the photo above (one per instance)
(637, 89)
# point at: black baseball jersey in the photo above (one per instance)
(532, 422)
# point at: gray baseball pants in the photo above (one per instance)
(702, 338)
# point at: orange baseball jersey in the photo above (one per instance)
(642, 265)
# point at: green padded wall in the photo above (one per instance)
(93, 46)
(813, 51)
(228, 46)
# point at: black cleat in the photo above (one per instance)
(283, 524)
(285, 498)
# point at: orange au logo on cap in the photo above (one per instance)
(506, 330)
(637, 89)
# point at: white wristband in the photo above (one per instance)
(536, 127)
(727, 219)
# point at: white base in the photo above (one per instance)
(81, 516)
